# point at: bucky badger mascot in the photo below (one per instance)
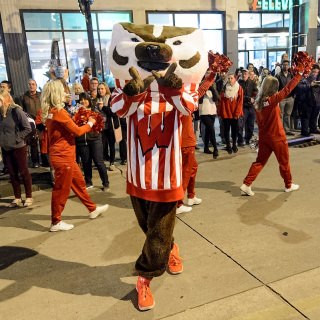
(158, 71)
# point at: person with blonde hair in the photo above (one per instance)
(14, 128)
(272, 137)
(61, 135)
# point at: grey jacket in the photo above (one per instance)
(12, 134)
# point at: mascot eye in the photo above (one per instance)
(177, 43)
(134, 40)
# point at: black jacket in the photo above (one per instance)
(250, 90)
(283, 81)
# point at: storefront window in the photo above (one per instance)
(71, 31)
(261, 49)
(186, 20)
(3, 69)
(272, 20)
(41, 21)
(162, 19)
(249, 20)
(76, 21)
(211, 23)
(39, 47)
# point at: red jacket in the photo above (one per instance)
(85, 83)
(231, 108)
(61, 135)
(269, 119)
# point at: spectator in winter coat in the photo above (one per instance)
(111, 122)
(30, 103)
(286, 105)
(208, 112)
(14, 128)
(230, 109)
(89, 147)
(246, 122)
(86, 79)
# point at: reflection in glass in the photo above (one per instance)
(39, 47)
(286, 21)
(249, 20)
(241, 43)
(162, 19)
(256, 43)
(77, 21)
(211, 21)
(214, 40)
(3, 69)
(108, 19)
(41, 21)
(272, 20)
(186, 20)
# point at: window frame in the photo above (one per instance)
(265, 30)
(4, 48)
(173, 12)
(62, 30)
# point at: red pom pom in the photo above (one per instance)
(302, 62)
(219, 62)
(82, 116)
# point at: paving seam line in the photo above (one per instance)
(246, 270)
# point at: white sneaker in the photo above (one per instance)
(246, 190)
(193, 201)
(15, 203)
(293, 187)
(183, 209)
(61, 226)
(98, 211)
(112, 167)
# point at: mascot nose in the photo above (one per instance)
(153, 50)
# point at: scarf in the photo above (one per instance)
(231, 92)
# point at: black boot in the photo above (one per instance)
(207, 150)
(228, 148)
(234, 148)
(215, 153)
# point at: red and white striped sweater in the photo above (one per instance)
(154, 138)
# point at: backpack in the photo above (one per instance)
(30, 120)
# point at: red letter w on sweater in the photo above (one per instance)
(156, 129)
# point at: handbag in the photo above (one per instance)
(117, 132)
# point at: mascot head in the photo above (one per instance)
(151, 47)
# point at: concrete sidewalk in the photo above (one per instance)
(250, 258)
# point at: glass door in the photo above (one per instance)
(273, 57)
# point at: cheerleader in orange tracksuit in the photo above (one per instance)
(188, 147)
(272, 137)
(62, 152)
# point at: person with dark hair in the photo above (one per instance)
(308, 93)
(246, 122)
(286, 105)
(89, 147)
(272, 137)
(86, 78)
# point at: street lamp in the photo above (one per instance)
(84, 6)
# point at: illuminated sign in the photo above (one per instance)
(271, 5)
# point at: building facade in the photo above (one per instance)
(246, 31)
